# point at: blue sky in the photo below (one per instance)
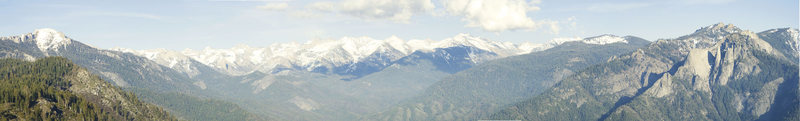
(225, 23)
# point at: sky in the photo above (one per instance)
(196, 24)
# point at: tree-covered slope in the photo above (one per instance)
(198, 109)
(54, 88)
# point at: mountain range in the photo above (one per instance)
(354, 56)
(718, 72)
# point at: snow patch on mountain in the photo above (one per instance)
(558, 41)
(795, 36)
(597, 40)
(604, 39)
(794, 33)
(528, 47)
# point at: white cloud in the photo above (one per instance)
(274, 6)
(489, 15)
(395, 10)
(497, 15)
(614, 7)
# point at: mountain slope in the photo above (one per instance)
(717, 73)
(120, 68)
(478, 91)
(198, 109)
(125, 70)
(785, 40)
(54, 88)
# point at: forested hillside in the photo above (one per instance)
(54, 88)
(196, 108)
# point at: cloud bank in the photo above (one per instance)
(489, 15)
(496, 15)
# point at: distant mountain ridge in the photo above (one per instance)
(346, 56)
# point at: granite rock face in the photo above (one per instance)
(717, 73)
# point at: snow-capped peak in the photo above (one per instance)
(466, 40)
(48, 38)
(597, 40)
(604, 39)
(501, 48)
(346, 49)
(168, 58)
(558, 41)
(460, 39)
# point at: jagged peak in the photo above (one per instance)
(718, 29)
(708, 35)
